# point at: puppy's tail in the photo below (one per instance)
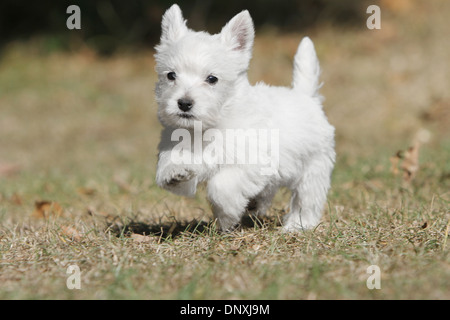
(306, 69)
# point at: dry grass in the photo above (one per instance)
(81, 132)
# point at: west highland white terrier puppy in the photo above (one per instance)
(245, 141)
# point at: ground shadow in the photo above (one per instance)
(162, 230)
(173, 229)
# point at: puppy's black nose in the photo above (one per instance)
(185, 104)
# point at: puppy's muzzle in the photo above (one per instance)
(185, 104)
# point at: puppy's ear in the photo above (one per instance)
(239, 32)
(173, 24)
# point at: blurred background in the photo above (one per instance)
(108, 26)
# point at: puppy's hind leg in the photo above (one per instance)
(309, 196)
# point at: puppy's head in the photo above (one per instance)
(198, 73)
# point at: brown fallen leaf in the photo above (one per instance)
(408, 160)
(71, 233)
(410, 163)
(143, 239)
(87, 191)
(45, 209)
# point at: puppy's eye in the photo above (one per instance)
(211, 79)
(171, 76)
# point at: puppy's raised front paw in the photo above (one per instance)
(178, 176)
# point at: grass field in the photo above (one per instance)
(78, 137)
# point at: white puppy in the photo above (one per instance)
(210, 112)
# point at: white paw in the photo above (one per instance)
(180, 181)
(292, 223)
(177, 176)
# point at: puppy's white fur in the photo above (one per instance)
(306, 139)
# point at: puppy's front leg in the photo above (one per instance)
(176, 178)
